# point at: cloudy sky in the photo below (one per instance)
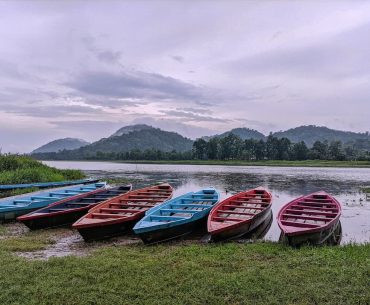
(78, 69)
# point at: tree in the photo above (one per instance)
(320, 150)
(213, 148)
(200, 149)
(300, 151)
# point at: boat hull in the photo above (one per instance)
(235, 232)
(328, 236)
(59, 220)
(172, 233)
(107, 231)
(10, 216)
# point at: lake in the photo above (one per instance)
(285, 184)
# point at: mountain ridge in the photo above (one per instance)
(61, 144)
(143, 137)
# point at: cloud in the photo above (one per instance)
(329, 59)
(191, 116)
(178, 58)
(137, 85)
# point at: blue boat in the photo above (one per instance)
(8, 187)
(176, 217)
(12, 207)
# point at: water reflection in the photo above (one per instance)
(285, 184)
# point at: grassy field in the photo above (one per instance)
(307, 163)
(261, 273)
(23, 169)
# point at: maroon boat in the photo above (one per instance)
(311, 219)
(239, 215)
(67, 211)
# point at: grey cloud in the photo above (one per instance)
(330, 59)
(178, 58)
(103, 55)
(186, 130)
(193, 116)
(50, 111)
(137, 85)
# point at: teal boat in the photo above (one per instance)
(8, 187)
(176, 217)
(12, 207)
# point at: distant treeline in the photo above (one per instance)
(232, 147)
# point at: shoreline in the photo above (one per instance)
(278, 163)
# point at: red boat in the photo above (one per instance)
(119, 214)
(239, 214)
(311, 219)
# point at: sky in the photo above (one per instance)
(85, 69)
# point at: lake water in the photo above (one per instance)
(285, 184)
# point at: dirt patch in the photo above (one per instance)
(12, 229)
(69, 242)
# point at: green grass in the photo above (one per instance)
(306, 163)
(261, 273)
(16, 169)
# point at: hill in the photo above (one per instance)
(131, 128)
(61, 144)
(243, 133)
(311, 133)
(126, 139)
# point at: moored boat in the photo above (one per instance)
(8, 187)
(238, 215)
(119, 214)
(67, 211)
(311, 219)
(12, 207)
(176, 217)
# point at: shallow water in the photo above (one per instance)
(285, 184)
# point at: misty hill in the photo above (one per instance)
(132, 138)
(61, 144)
(131, 128)
(243, 133)
(310, 134)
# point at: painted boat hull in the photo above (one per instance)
(97, 233)
(172, 233)
(243, 229)
(330, 236)
(9, 211)
(54, 221)
(118, 215)
(66, 215)
(12, 215)
(260, 231)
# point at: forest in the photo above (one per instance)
(232, 147)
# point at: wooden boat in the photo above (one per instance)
(311, 219)
(176, 217)
(239, 214)
(67, 211)
(8, 187)
(12, 207)
(119, 214)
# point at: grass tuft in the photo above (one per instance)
(18, 169)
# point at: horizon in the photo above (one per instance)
(197, 69)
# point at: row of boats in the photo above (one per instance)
(99, 212)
